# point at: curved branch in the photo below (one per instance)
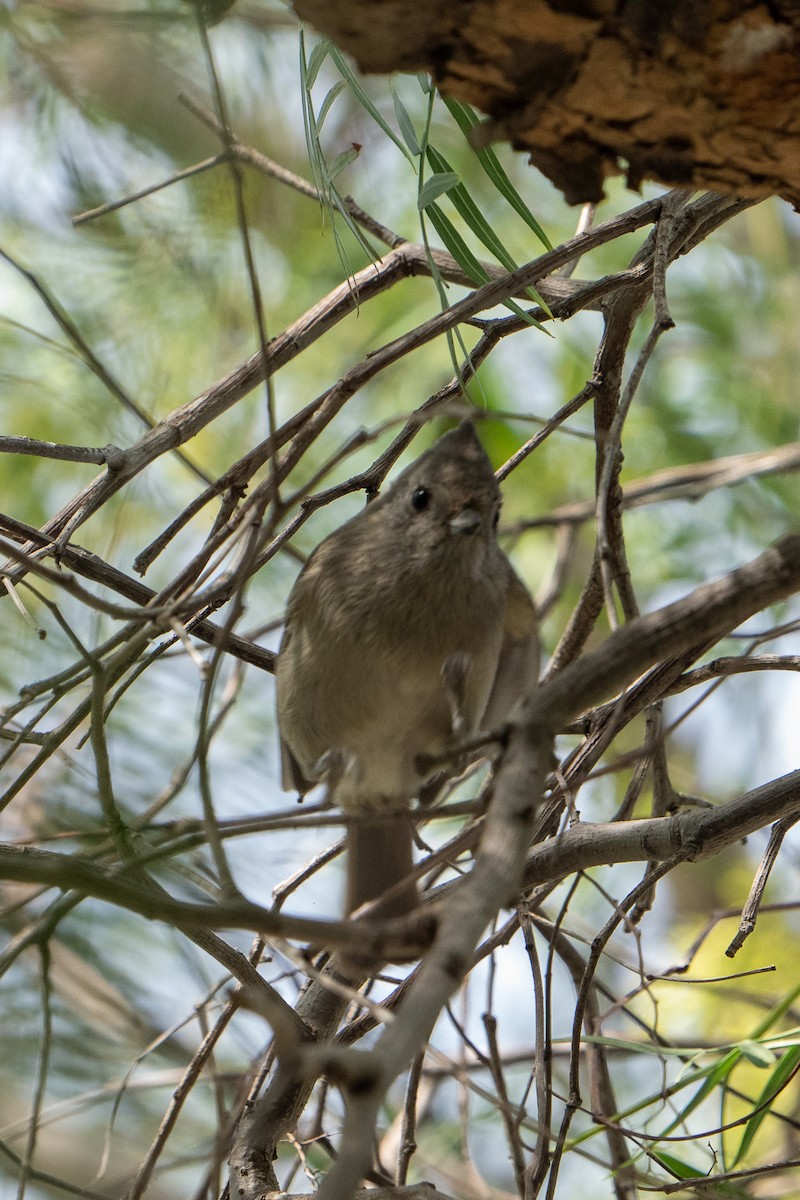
(706, 614)
(692, 833)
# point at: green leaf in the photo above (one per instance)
(466, 120)
(785, 1069)
(468, 209)
(470, 265)
(341, 161)
(315, 156)
(518, 311)
(465, 117)
(317, 58)
(778, 1012)
(327, 103)
(404, 122)
(356, 87)
(716, 1076)
(436, 186)
(456, 245)
(324, 175)
(677, 1166)
(757, 1054)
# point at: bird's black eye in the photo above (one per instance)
(420, 499)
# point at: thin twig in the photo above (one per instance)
(750, 910)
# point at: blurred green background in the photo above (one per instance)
(90, 112)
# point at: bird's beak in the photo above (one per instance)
(467, 521)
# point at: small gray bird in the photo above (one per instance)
(407, 630)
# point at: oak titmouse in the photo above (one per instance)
(406, 630)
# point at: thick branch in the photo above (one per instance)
(706, 614)
(692, 833)
(69, 873)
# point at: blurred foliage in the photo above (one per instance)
(91, 112)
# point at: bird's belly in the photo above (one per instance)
(361, 713)
(398, 716)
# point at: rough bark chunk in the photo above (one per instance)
(702, 94)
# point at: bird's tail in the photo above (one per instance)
(379, 860)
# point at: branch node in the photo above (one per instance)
(114, 458)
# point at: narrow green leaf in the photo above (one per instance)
(758, 1055)
(404, 122)
(425, 83)
(786, 1038)
(317, 58)
(466, 120)
(464, 116)
(341, 161)
(315, 157)
(356, 87)
(327, 103)
(777, 1080)
(426, 128)
(339, 205)
(455, 342)
(468, 209)
(472, 267)
(476, 221)
(456, 245)
(715, 1077)
(519, 311)
(677, 1166)
(436, 186)
(777, 1012)
(323, 175)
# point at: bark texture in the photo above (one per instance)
(695, 93)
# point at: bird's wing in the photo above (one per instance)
(518, 664)
(292, 778)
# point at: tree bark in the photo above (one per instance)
(702, 95)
